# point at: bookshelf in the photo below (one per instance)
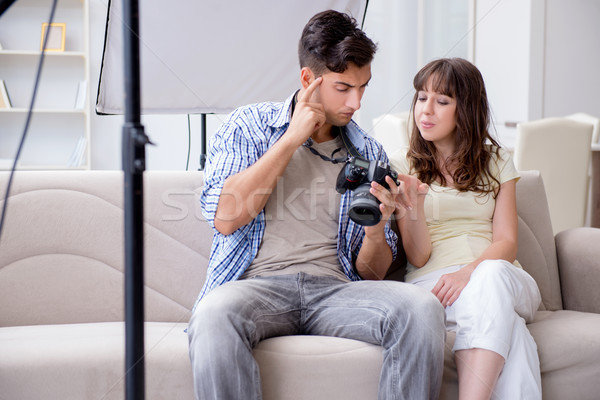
(59, 132)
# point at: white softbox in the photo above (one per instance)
(210, 56)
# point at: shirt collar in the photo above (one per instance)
(284, 114)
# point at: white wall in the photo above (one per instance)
(392, 25)
(502, 53)
(539, 59)
(572, 59)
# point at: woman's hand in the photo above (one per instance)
(449, 287)
(411, 192)
(411, 221)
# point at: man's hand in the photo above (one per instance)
(387, 198)
(375, 255)
(308, 116)
(245, 194)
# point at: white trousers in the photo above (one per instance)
(491, 313)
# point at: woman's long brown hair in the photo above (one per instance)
(470, 163)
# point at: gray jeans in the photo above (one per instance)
(407, 321)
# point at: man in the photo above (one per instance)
(286, 259)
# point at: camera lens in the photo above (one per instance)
(364, 207)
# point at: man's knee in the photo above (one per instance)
(431, 313)
(212, 313)
(422, 311)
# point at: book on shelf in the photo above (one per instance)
(80, 97)
(78, 154)
(4, 99)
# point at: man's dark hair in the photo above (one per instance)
(331, 40)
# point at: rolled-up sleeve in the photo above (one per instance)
(232, 150)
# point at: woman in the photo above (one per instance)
(460, 235)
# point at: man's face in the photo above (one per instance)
(341, 93)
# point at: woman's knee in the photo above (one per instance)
(493, 269)
(492, 276)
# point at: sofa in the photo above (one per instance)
(62, 296)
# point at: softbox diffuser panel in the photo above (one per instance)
(210, 56)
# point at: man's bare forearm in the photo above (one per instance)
(374, 258)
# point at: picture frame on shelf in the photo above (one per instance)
(57, 32)
(4, 99)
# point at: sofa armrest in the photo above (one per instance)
(578, 252)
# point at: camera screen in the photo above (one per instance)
(361, 163)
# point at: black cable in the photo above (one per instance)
(28, 120)
(187, 164)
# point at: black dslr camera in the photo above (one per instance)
(357, 175)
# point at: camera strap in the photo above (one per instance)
(308, 145)
(348, 143)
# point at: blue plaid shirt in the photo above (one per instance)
(242, 139)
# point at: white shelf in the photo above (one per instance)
(59, 130)
(40, 167)
(29, 53)
(43, 111)
(48, 3)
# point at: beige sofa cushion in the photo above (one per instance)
(86, 361)
(569, 346)
(567, 343)
(537, 251)
(354, 367)
(69, 262)
(47, 277)
(578, 255)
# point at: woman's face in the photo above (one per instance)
(435, 116)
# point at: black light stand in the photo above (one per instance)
(134, 140)
(203, 135)
(4, 4)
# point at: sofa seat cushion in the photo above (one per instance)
(569, 346)
(319, 360)
(86, 361)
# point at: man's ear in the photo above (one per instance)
(306, 77)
